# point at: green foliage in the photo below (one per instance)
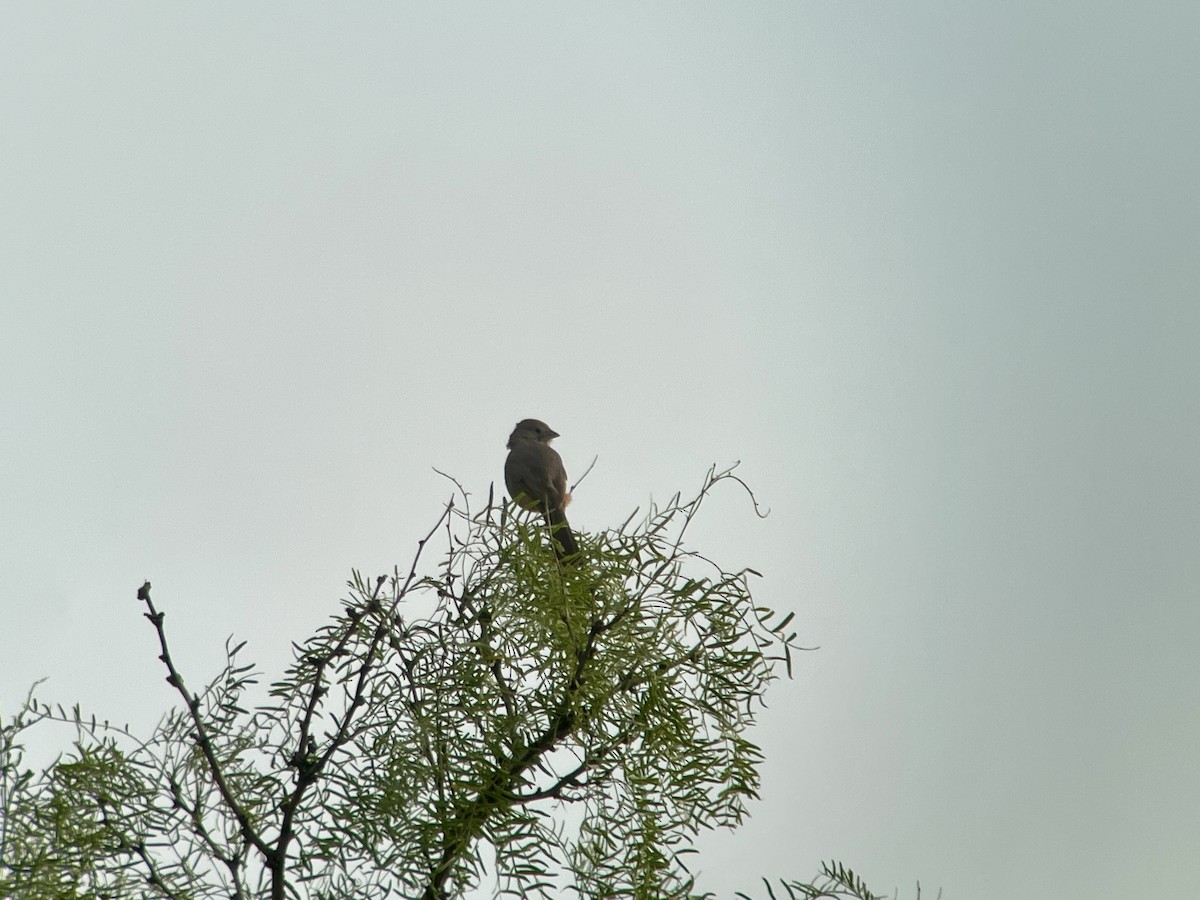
(505, 718)
(835, 881)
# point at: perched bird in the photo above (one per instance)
(536, 479)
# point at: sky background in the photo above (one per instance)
(931, 271)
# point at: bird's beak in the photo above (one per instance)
(551, 434)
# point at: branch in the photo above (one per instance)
(308, 768)
(136, 848)
(499, 787)
(202, 737)
(233, 863)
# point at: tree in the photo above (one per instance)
(548, 726)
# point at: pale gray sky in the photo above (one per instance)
(930, 270)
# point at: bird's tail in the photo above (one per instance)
(562, 539)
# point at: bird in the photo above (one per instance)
(536, 480)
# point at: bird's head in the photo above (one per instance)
(532, 430)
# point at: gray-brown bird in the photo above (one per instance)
(536, 479)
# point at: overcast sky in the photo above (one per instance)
(931, 271)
